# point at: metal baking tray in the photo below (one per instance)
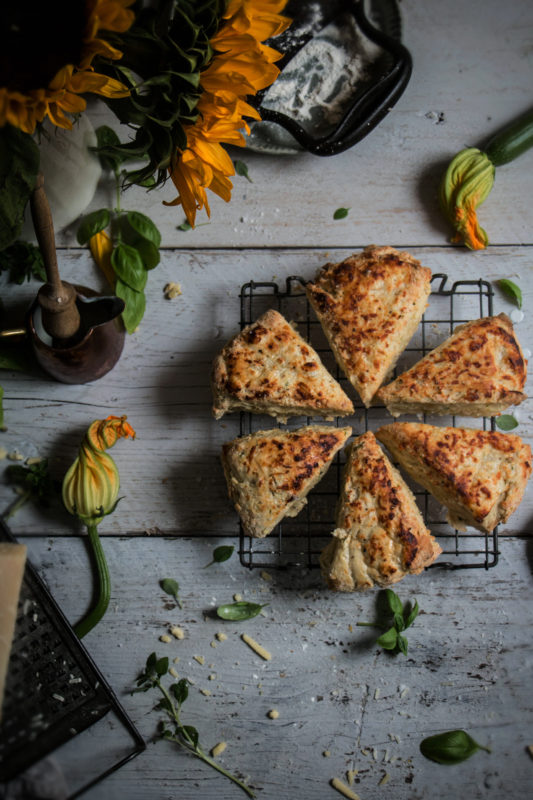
(299, 541)
(56, 699)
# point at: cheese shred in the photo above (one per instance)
(343, 789)
(256, 647)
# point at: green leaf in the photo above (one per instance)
(34, 479)
(180, 690)
(14, 359)
(191, 734)
(239, 610)
(171, 587)
(241, 168)
(135, 305)
(221, 554)
(399, 622)
(410, 614)
(19, 163)
(93, 223)
(185, 226)
(24, 261)
(394, 602)
(161, 666)
(506, 422)
(402, 644)
(128, 265)
(2, 423)
(148, 252)
(106, 137)
(389, 639)
(144, 227)
(511, 290)
(450, 747)
(340, 213)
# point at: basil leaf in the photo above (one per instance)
(402, 644)
(144, 227)
(171, 587)
(410, 615)
(135, 305)
(148, 253)
(161, 666)
(106, 137)
(506, 422)
(450, 747)
(394, 602)
(221, 554)
(17, 360)
(399, 622)
(341, 213)
(389, 639)
(151, 662)
(242, 169)
(92, 224)
(511, 290)
(239, 610)
(180, 690)
(129, 267)
(190, 733)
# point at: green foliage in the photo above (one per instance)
(241, 168)
(221, 554)
(511, 290)
(397, 618)
(163, 54)
(340, 213)
(506, 422)
(450, 747)
(239, 610)
(19, 163)
(34, 482)
(23, 261)
(2, 423)
(171, 587)
(135, 237)
(172, 728)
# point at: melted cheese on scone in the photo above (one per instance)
(479, 371)
(370, 306)
(270, 473)
(480, 476)
(380, 536)
(269, 368)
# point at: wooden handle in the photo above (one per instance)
(44, 230)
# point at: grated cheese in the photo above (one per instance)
(273, 713)
(199, 659)
(221, 636)
(177, 632)
(256, 647)
(343, 789)
(165, 638)
(218, 749)
(385, 779)
(173, 672)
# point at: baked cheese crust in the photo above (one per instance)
(480, 476)
(269, 368)
(479, 371)
(380, 536)
(270, 473)
(370, 306)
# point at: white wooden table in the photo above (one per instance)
(343, 703)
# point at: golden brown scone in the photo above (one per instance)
(270, 473)
(380, 536)
(480, 476)
(269, 369)
(369, 306)
(479, 371)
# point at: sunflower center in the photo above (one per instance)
(37, 38)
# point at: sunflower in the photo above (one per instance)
(46, 55)
(241, 66)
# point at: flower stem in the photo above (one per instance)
(16, 504)
(104, 587)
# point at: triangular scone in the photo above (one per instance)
(369, 306)
(269, 369)
(270, 473)
(380, 536)
(478, 372)
(480, 476)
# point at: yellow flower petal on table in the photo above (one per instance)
(101, 248)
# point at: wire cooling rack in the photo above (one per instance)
(55, 699)
(299, 541)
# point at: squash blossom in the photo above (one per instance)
(91, 485)
(90, 492)
(466, 184)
